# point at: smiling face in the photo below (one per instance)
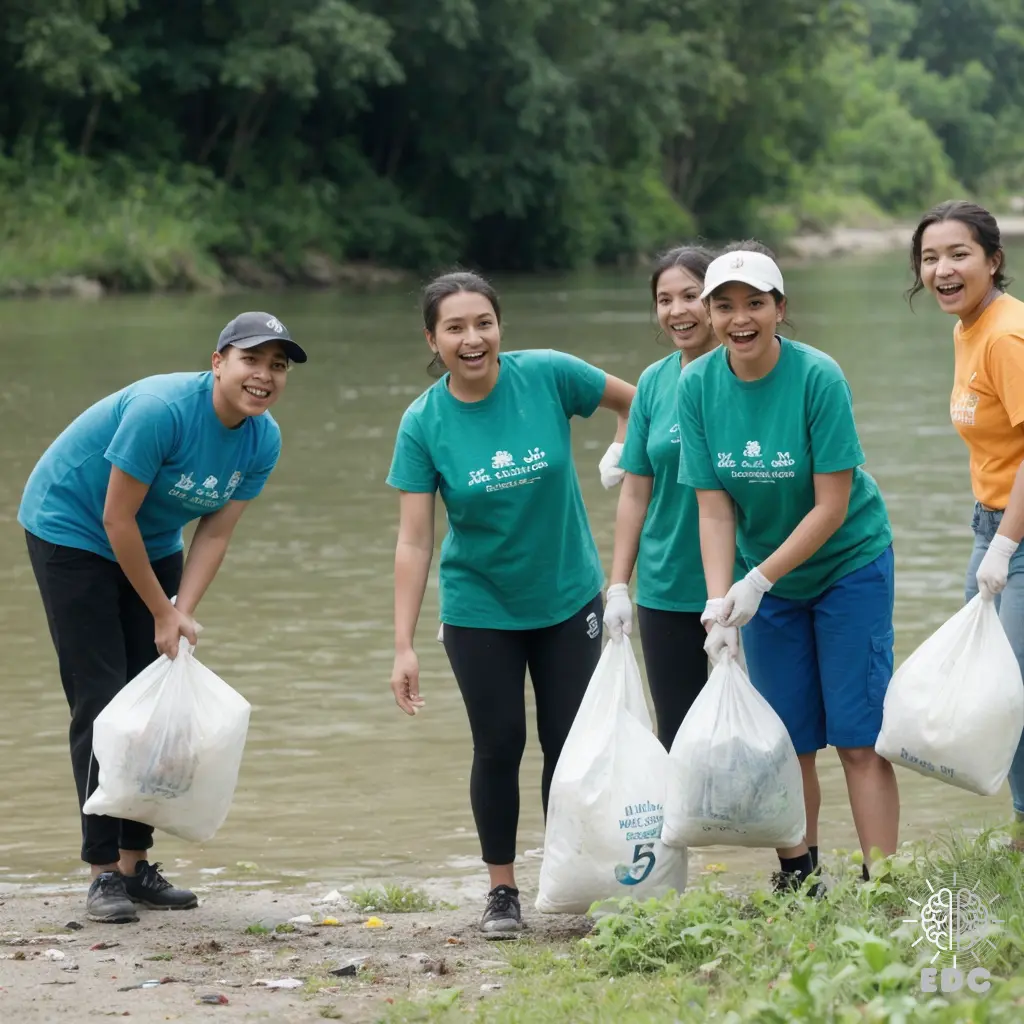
(467, 337)
(248, 381)
(681, 313)
(955, 269)
(745, 320)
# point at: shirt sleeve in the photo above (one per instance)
(145, 438)
(412, 468)
(835, 446)
(696, 467)
(634, 458)
(1006, 371)
(262, 466)
(580, 385)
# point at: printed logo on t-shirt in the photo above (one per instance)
(675, 439)
(753, 468)
(507, 472)
(962, 405)
(205, 496)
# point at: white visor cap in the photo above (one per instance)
(753, 268)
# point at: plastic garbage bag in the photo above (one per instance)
(168, 748)
(602, 840)
(954, 710)
(734, 778)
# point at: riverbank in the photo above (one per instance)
(184, 270)
(732, 952)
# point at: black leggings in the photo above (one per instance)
(677, 666)
(103, 635)
(490, 667)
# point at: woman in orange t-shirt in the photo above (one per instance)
(957, 254)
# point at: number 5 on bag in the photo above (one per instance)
(603, 836)
(954, 709)
(169, 747)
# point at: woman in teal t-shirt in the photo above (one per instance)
(770, 444)
(656, 524)
(520, 577)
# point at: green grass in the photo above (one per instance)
(757, 958)
(395, 899)
(257, 929)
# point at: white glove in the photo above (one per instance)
(739, 606)
(995, 566)
(611, 475)
(618, 611)
(712, 610)
(440, 633)
(721, 639)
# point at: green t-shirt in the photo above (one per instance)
(669, 572)
(762, 441)
(519, 553)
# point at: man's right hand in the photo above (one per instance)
(171, 627)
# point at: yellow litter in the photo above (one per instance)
(374, 922)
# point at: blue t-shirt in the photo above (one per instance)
(519, 553)
(164, 432)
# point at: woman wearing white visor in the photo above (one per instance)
(770, 444)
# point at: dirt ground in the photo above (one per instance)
(52, 972)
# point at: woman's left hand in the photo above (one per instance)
(611, 475)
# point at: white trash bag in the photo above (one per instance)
(734, 778)
(168, 748)
(602, 840)
(954, 710)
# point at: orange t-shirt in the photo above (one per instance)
(987, 402)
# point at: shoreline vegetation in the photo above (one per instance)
(205, 272)
(727, 949)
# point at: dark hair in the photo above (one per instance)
(693, 258)
(983, 228)
(753, 245)
(439, 289)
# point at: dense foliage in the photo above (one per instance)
(154, 143)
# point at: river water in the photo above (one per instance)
(337, 784)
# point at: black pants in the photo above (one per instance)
(490, 667)
(103, 634)
(677, 665)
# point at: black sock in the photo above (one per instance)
(864, 873)
(814, 857)
(800, 866)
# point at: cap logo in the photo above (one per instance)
(736, 262)
(275, 325)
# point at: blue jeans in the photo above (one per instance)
(1010, 605)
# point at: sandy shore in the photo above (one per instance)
(52, 972)
(864, 241)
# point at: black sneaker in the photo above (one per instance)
(108, 901)
(502, 915)
(148, 887)
(790, 881)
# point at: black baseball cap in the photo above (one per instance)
(248, 330)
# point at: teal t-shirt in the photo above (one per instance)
(519, 553)
(669, 572)
(762, 441)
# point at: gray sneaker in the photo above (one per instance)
(108, 902)
(502, 918)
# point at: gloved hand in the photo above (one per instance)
(739, 606)
(721, 639)
(995, 566)
(611, 475)
(711, 611)
(618, 611)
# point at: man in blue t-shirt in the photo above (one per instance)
(103, 512)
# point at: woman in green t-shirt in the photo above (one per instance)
(656, 524)
(770, 444)
(520, 577)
